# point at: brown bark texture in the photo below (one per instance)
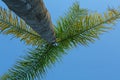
(36, 15)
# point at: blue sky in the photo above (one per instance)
(99, 61)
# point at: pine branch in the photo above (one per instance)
(72, 29)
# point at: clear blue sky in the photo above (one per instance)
(99, 61)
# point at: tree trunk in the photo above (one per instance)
(35, 14)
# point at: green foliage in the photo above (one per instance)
(11, 24)
(78, 26)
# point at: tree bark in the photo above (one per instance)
(35, 14)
